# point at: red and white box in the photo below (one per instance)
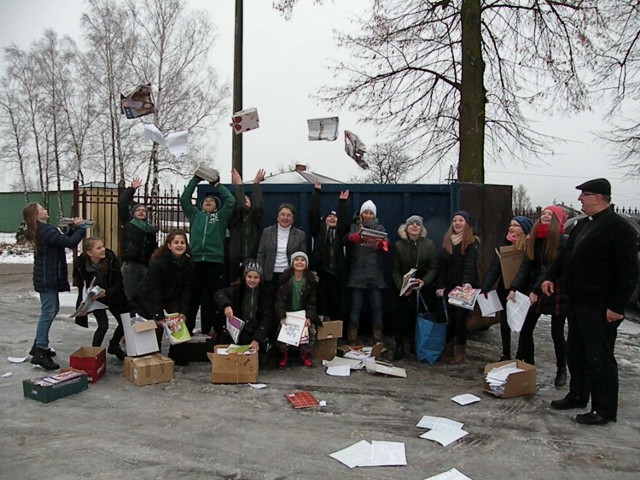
(245, 120)
(91, 360)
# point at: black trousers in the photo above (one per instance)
(103, 327)
(526, 346)
(208, 278)
(591, 360)
(332, 296)
(456, 324)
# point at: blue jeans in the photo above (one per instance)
(375, 299)
(49, 308)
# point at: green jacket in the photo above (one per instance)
(207, 230)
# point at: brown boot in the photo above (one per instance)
(458, 356)
(447, 353)
(352, 334)
(378, 334)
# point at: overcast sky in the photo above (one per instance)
(287, 61)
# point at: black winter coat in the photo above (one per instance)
(234, 296)
(245, 225)
(325, 252)
(525, 281)
(138, 244)
(166, 287)
(307, 300)
(419, 254)
(110, 280)
(601, 269)
(50, 259)
(456, 268)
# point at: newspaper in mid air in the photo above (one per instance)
(137, 102)
(323, 128)
(355, 148)
(176, 142)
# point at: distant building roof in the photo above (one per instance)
(299, 175)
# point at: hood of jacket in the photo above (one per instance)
(402, 232)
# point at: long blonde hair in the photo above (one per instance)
(30, 217)
(549, 243)
(468, 238)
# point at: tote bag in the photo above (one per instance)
(430, 334)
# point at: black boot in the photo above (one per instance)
(117, 351)
(398, 354)
(50, 351)
(561, 378)
(41, 358)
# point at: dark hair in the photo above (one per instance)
(289, 206)
(164, 249)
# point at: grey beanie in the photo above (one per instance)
(415, 219)
(299, 254)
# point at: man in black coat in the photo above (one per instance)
(598, 270)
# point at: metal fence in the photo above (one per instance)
(98, 201)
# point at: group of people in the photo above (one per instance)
(260, 275)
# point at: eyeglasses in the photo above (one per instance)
(588, 194)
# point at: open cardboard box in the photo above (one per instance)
(49, 393)
(91, 360)
(376, 351)
(330, 329)
(233, 367)
(520, 383)
(140, 337)
(325, 349)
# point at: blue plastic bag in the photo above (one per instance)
(430, 336)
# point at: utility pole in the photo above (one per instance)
(236, 146)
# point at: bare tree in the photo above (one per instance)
(171, 48)
(445, 75)
(14, 128)
(388, 164)
(520, 200)
(618, 73)
(22, 70)
(109, 31)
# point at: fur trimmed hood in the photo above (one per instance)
(402, 232)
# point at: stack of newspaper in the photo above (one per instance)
(496, 378)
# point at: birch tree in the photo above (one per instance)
(171, 48)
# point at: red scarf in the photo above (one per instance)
(542, 230)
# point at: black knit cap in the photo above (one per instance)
(598, 185)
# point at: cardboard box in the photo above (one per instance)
(37, 389)
(91, 360)
(521, 383)
(376, 351)
(140, 337)
(330, 329)
(148, 370)
(234, 367)
(325, 349)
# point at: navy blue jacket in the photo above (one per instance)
(50, 265)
